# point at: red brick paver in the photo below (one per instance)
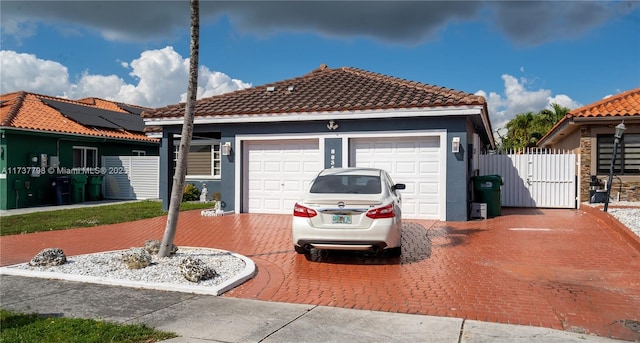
(562, 269)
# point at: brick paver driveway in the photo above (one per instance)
(562, 269)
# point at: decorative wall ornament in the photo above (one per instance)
(332, 125)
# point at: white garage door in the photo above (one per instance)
(278, 172)
(414, 161)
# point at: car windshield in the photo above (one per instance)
(351, 184)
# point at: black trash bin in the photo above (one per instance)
(62, 189)
(487, 190)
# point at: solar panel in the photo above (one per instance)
(130, 109)
(130, 122)
(97, 117)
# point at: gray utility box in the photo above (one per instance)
(479, 210)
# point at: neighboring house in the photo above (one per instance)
(588, 131)
(43, 138)
(260, 147)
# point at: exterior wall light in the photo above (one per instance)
(226, 149)
(455, 145)
(618, 135)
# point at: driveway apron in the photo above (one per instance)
(561, 269)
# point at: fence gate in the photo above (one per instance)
(534, 178)
(131, 177)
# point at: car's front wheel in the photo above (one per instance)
(300, 250)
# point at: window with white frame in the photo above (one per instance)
(85, 157)
(138, 153)
(203, 159)
(627, 157)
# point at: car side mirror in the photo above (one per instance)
(399, 186)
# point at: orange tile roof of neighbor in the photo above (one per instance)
(24, 110)
(620, 105)
(616, 108)
(326, 90)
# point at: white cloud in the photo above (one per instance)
(516, 98)
(25, 71)
(161, 77)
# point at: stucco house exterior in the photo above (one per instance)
(589, 132)
(260, 147)
(43, 138)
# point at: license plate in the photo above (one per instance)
(341, 219)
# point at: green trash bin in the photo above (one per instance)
(78, 182)
(487, 190)
(94, 187)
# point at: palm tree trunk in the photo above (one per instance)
(187, 133)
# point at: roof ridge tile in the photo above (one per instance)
(15, 108)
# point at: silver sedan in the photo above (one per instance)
(349, 209)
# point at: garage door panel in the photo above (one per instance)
(272, 204)
(278, 173)
(408, 207)
(255, 166)
(414, 161)
(429, 209)
(406, 167)
(291, 186)
(271, 185)
(292, 167)
(255, 185)
(429, 168)
(272, 167)
(310, 167)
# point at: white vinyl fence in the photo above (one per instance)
(534, 178)
(131, 177)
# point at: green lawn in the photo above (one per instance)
(86, 216)
(27, 328)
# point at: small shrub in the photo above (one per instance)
(191, 193)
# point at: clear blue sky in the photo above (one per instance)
(520, 55)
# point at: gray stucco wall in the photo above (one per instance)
(457, 172)
(457, 164)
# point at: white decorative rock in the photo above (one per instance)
(49, 257)
(195, 270)
(136, 258)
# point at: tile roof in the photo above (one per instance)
(622, 106)
(24, 110)
(325, 90)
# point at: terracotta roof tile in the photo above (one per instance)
(25, 110)
(325, 90)
(616, 107)
(623, 104)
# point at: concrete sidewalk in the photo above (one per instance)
(202, 318)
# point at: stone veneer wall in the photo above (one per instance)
(585, 163)
(630, 191)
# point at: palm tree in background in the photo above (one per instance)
(526, 129)
(555, 113)
(518, 134)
